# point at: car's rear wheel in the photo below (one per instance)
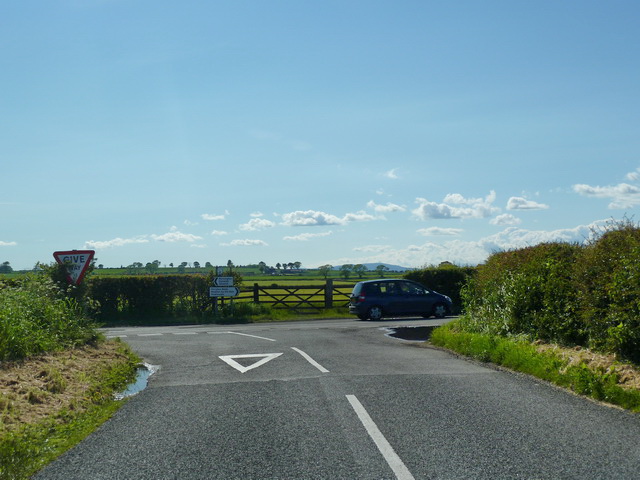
(375, 313)
(439, 310)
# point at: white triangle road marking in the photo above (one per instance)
(265, 357)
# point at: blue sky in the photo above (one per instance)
(405, 132)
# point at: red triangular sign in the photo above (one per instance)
(77, 262)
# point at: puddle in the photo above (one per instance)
(413, 334)
(142, 377)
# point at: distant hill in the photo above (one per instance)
(373, 266)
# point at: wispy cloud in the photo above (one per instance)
(116, 242)
(310, 218)
(505, 219)
(455, 205)
(304, 237)
(622, 195)
(212, 217)
(257, 224)
(391, 174)
(388, 208)
(437, 231)
(8, 244)
(520, 203)
(245, 243)
(174, 235)
(219, 232)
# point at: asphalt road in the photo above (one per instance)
(339, 399)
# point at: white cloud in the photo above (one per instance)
(211, 217)
(456, 206)
(388, 208)
(437, 231)
(189, 223)
(8, 244)
(308, 218)
(174, 235)
(622, 195)
(372, 248)
(391, 174)
(245, 243)
(116, 242)
(256, 214)
(219, 232)
(467, 252)
(257, 224)
(303, 237)
(519, 203)
(633, 176)
(505, 219)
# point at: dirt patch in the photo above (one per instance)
(44, 386)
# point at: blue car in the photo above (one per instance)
(375, 299)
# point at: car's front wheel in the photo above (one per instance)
(375, 313)
(439, 310)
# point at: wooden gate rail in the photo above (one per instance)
(299, 297)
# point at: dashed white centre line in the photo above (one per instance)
(389, 454)
(311, 360)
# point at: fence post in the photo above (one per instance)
(328, 293)
(256, 293)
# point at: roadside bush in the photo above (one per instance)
(571, 294)
(36, 317)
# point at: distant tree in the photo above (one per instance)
(151, 267)
(262, 267)
(346, 269)
(101, 266)
(5, 267)
(208, 265)
(325, 270)
(380, 269)
(230, 265)
(278, 266)
(181, 267)
(171, 264)
(359, 270)
(297, 265)
(196, 264)
(184, 264)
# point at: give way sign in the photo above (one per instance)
(76, 261)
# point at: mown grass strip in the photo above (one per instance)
(522, 356)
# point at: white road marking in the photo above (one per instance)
(311, 360)
(266, 357)
(254, 336)
(150, 334)
(389, 454)
(185, 333)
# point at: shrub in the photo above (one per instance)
(36, 317)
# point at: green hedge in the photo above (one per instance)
(142, 297)
(447, 280)
(572, 294)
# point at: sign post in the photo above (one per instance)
(76, 262)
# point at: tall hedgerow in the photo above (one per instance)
(571, 294)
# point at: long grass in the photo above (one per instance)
(520, 355)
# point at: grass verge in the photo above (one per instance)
(608, 380)
(50, 403)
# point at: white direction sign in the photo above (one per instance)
(264, 358)
(223, 291)
(223, 282)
